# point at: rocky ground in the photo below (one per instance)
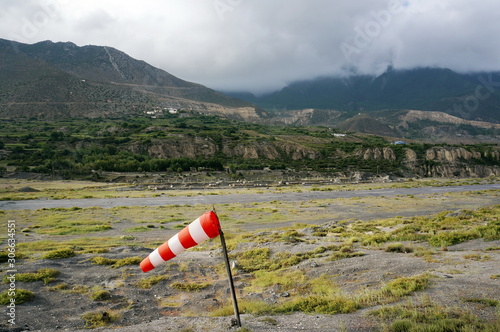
(162, 308)
(462, 272)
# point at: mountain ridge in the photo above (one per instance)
(97, 81)
(472, 96)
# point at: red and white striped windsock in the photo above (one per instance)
(205, 227)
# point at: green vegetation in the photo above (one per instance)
(322, 296)
(80, 245)
(21, 296)
(85, 149)
(4, 256)
(116, 263)
(98, 319)
(190, 287)
(398, 247)
(428, 316)
(100, 295)
(46, 275)
(58, 254)
(147, 283)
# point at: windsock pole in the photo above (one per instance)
(236, 320)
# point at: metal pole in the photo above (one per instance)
(236, 320)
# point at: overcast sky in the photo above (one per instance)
(261, 45)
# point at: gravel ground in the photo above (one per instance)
(163, 308)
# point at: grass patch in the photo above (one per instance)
(46, 275)
(190, 287)
(255, 307)
(58, 254)
(84, 244)
(4, 256)
(20, 295)
(97, 319)
(286, 280)
(116, 263)
(261, 259)
(127, 261)
(427, 316)
(138, 229)
(395, 290)
(477, 257)
(398, 247)
(100, 295)
(147, 283)
(319, 304)
(486, 302)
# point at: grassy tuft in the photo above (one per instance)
(147, 283)
(127, 261)
(98, 319)
(319, 304)
(395, 290)
(21, 296)
(58, 254)
(398, 247)
(428, 316)
(116, 263)
(4, 256)
(100, 295)
(47, 275)
(190, 287)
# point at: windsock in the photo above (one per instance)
(205, 227)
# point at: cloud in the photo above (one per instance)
(261, 45)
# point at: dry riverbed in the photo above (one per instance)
(347, 264)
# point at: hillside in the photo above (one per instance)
(180, 143)
(427, 89)
(364, 123)
(52, 80)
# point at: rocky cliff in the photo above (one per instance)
(431, 162)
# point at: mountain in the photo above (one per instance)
(364, 123)
(469, 96)
(51, 80)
